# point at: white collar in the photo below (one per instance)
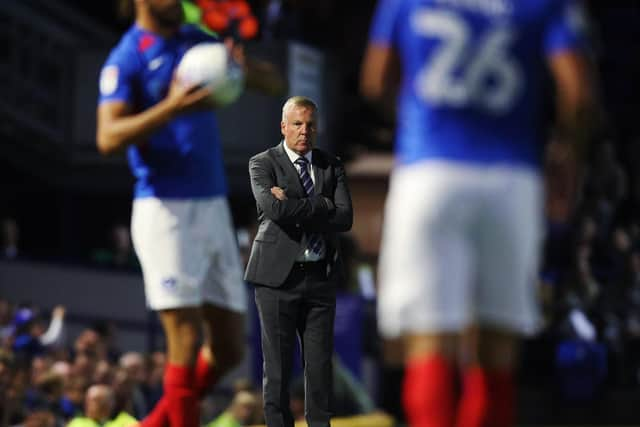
(293, 156)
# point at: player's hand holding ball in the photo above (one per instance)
(214, 68)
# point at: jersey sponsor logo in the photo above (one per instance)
(109, 80)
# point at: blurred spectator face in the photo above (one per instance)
(583, 255)
(621, 240)
(6, 363)
(243, 407)
(99, 402)
(85, 364)
(89, 342)
(75, 389)
(40, 366)
(121, 239)
(51, 386)
(103, 373)
(296, 404)
(589, 229)
(40, 419)
(134, 364)
(123, 386)
(10, 237)
(18, 385)
(5, 312)
(158, 361)
(167, 13)
(62, 368)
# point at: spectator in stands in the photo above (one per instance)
(607, 180)
(103, 372)
(133, 364)
(10, 238)
(90, 342)
(123, 387)
(99, 410)
(99, 403)
(39, 418)
(30, 336)
(156, 362)
(120, 253)
(241, 412)
(73, 395)
(6, 325)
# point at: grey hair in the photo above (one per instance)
(297, 101)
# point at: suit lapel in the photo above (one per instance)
(290, 170)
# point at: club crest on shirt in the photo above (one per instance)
(109, 79)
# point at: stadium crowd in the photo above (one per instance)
(48, 378)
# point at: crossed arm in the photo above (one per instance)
(312, 214)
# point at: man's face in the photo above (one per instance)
(168, 13)
(299, 129)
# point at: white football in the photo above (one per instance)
(211, 65)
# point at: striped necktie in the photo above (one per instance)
(314, 240)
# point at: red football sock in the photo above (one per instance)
(502, 399)
(473, 404)
(158, 417)
(428, 392)
(205, 375)
(182, 399)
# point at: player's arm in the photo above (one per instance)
(381, 69)
(380, 73)
(566, 45)
(118, 127)
(575, 105)
(282, 210)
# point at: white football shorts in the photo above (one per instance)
(460, 246)
(188, 253)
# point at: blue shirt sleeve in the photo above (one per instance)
(565, 29)
(117, 77)
(385, 22)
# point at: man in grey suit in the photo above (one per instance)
(303, 202)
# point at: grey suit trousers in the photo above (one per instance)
(303, 307)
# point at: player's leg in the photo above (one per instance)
(223, 346)
(425, 270)
(474, 399)
(498, 356)
(171, 261)
(182, 331)
(508, 264)
(428, 393)
(224, 295)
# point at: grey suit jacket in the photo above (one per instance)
(283, 223)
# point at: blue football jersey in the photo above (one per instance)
(473, 73)
(183, 159)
